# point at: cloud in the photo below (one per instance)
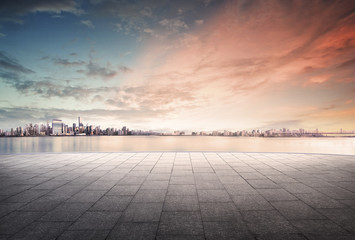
(23, 7)
(9, 64)
(49, 89)
(348, 64)
(125, 69)
(199, 22)
(17, 76)
(148, 30)
(88, 23)
(174, 24)
(237, 65)
(158, 19)
(318, 79)
(207, 2)
(246, 58)
(95, 70)
(67, 63)
(13, 11)
(9, 115)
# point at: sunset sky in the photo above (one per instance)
(192, 65)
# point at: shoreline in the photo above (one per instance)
(352, 136)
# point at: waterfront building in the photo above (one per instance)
(57, 127)
(80, 122)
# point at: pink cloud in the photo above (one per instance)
(241, 55)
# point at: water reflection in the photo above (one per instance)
(176, 143)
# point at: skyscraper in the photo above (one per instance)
(57, 127)
(80, 123)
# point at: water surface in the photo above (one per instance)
(336, 145)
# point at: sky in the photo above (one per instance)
(193, 65)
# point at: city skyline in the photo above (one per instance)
(60, 128)
(190, 65)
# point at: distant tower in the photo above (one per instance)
(80, 122)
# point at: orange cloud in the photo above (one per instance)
(243, 54)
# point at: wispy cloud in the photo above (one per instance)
(67, 63)
(95, 70)
(88, 23)
(245, 53)
(8, 63)
(34, 114)
(236, 64)
(14, 10)
(199, 22)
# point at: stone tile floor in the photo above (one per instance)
(177, 195)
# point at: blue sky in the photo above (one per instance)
(189, 65)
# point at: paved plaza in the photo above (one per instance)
(177, 195)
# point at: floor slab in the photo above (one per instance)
(177, 195)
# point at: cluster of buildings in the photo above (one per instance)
(268, 133)
(59, 128)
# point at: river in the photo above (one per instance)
(332, 145)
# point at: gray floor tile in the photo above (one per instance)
(40, 205)
(112, 203)
(215, 212)
(177, 196)
(86, 196)
(276, 195)
(66, 212)
(182, 190)
(42, 230)
(181, 203)
(6, 208)
(180, 223)
(27, 196)
(296, 210)
(296, 188)
(251, 202)
(124, 190)
(319, 200)
(263, 183)
(210, 185)
(132, 231)
(142, 212)
(96, 221)
(321, 227)
(213, 196)
(267, 222)
(182, 180)
(226, 230)
(342, 216)
(149, 184)
(15, 221)
(148, 195)
(84, 235)
(240, 189)
(281, 236)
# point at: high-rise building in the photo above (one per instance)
(80, 122)
(57, 127)
(65, 129)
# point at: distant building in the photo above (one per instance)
(57, 127)
(80, 122)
